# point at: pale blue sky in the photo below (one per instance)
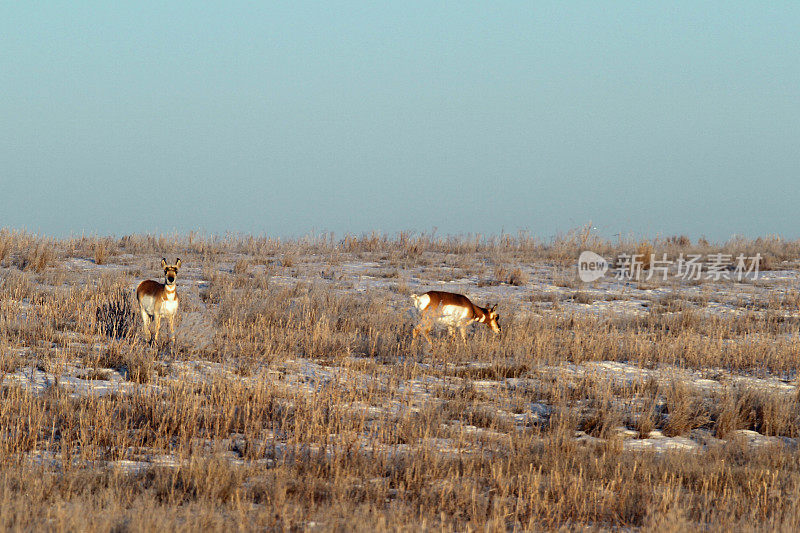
(470, 117)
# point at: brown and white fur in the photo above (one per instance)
(455, 311)
(158, 300)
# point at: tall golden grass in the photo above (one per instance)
(295, 399)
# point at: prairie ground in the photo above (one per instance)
(294, 398)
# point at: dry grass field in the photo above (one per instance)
(294, 399)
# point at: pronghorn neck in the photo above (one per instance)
(481, 313)
(170, 288)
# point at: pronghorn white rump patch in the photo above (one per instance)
(421, 302)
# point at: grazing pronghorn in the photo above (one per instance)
(158, 300)
(452, 310)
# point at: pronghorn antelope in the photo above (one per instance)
(452, 310)
(157, 300)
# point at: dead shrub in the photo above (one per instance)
(601, 420)
(684, 410)
(583, 297)
(500, 273)
(114, 315)
(647, 420)
(241, 266)
(688, 320)
(681, 241)
(102, 249)
(16, 285)
(128, 359)
(139, 366)
(517, 277)
(768, 414)
(566, 278)
(670, 303)
(645, 255)
(36, 257)
(767, 262)
(6, 244)
(289, 260)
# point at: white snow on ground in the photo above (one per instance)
(707, 380)
(305, 377)
(37, 381)
(657, 442)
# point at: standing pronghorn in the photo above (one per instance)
(158, 300)
(452, 310)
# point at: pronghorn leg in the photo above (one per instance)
(463, 331)
(158, 326)
(425, 331)
(146, 325)
(423, 327)
(172, 327)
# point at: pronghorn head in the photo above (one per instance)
(170, 271)
(492, 318)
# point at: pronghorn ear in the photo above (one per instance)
(163, 262)
(178, 263)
